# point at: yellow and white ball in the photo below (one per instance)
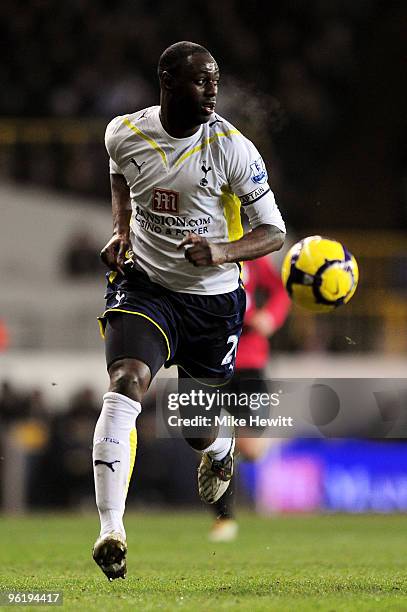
(320, 274)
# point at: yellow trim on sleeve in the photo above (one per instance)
(141, 314)
(150, 141)
(205, 143)
(231, 210)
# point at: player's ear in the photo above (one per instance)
(167, 80)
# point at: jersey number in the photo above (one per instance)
(228, 358)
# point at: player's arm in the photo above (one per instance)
(247, 177)
(270, 317)
(113, 253)
(260, 241)
(278, 303)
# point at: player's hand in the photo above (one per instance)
(113, 253)
(201, 252)
(262, 322)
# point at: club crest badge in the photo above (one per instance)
(258, 171)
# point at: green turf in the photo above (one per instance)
(290, 563)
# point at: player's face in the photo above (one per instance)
(196, 88)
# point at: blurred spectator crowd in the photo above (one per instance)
(48, 448)
(55, 443)
(85, 58)
(288, 72)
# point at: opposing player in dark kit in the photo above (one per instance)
(179, 174)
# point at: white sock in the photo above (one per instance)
(114, 444)
(221, 446)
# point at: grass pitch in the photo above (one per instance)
(289, 563)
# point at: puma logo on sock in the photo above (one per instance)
(108, 463)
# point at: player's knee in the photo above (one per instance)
(129, 379)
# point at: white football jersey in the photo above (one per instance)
(183, 185)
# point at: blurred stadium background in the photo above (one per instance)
(318, 86)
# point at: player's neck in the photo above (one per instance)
(173, 126)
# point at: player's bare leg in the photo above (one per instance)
(114, 451)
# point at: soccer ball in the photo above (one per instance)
(320, 274)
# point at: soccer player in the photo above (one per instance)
(179, 174)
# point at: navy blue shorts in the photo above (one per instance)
(199, 333)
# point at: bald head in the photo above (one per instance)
(176, 56)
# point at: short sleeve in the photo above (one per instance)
(248, 179)
(114, 168)
(111, 142)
